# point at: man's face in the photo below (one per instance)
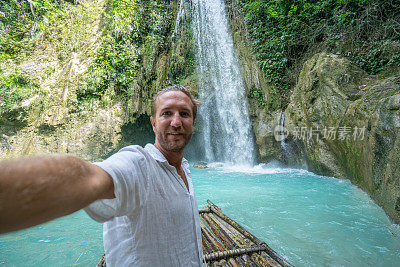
(173, 122)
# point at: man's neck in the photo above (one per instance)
(173, 158)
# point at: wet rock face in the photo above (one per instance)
(349, 125)
(91, 137)
(264, 124)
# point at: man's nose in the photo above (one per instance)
(176, 120)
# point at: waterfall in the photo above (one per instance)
(225, 131)
(284, 147)
(179, 18)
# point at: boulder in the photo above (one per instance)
(200, 165)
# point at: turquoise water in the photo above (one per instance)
(309, 219)
(72, 240)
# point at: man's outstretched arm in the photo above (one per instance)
(38, 189)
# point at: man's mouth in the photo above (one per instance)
(175, 134)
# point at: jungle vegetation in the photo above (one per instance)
(285, 33)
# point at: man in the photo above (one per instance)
(145, 195)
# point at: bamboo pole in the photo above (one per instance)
(268, 258)
(217, 225)
(223, 263)
(231, 253)
(212, 238)
(215, 243)
(102, 261)
(210, 247)
(264, 261)
(239, 260)
(236, 239)
(247, 261)
(206, 209)
(269, 250)
(243, 231)
(233, 263)
(208, 237)
(207, 247)
(256, 259)
(219, 232)
(235, 235)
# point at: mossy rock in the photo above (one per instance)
(364, 113)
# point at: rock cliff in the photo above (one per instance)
(348, 123)
(89, 94)
(341, 121)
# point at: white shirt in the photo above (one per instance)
(154, 220)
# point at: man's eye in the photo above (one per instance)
(166, 113)
(185, 114)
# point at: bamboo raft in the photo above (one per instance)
(226, 243)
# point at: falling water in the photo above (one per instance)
(284, 147)
(223, 116)
(179, 18)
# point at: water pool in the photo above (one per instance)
(311, 220)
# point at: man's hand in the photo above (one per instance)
(38, 189)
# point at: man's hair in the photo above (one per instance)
(179, 88)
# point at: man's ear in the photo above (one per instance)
(153, 123)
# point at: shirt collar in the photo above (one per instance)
(157, 155)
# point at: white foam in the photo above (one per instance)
(262, 168)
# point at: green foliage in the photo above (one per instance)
(19, 22)
(269, 102)
(282, 32)
(135, 28)
(26, 24)
(122, 17)
(14, 88)
(117, 59)
(182, 67)
(183, 61)
(94, 86)
(69, 28)
(259, 96)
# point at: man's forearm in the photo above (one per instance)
(38, 189)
